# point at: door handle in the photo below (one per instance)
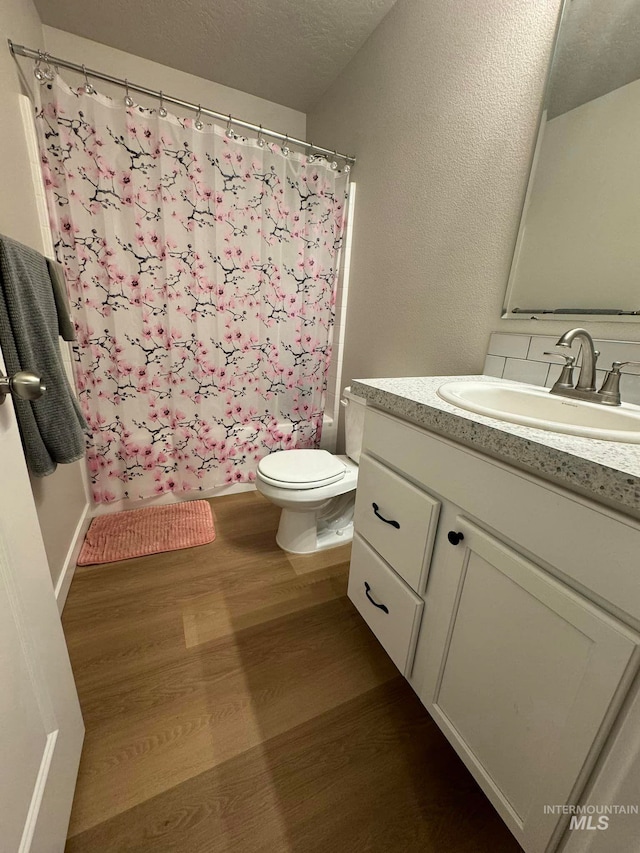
(24, 384)
(367, 592)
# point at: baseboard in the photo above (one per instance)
(69, 566)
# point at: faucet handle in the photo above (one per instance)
(565, 380)
(569, 360)
(617, 365)
(610, 391)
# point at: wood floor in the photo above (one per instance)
(235, 701)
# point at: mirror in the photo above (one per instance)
(578, 245)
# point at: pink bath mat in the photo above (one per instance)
(138, 532)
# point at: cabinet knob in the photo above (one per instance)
(455, 537)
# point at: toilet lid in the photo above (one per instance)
(301, 469)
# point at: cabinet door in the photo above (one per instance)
(530, 680)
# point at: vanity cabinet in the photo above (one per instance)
(522, 664)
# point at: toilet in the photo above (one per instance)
(316, 489)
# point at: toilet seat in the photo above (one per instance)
(301, 469)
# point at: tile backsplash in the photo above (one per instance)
(523, 357)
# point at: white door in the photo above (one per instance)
(41, 728)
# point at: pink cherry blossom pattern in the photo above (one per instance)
(201, 273)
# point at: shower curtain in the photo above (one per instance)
(202, 269)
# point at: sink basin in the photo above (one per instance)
(536, 407)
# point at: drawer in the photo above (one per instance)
(387, 605)
(398, 519)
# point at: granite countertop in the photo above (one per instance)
(607, 471)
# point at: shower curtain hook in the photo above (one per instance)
(161, 110)
(285, 148)
(87, 86)
(49, 73)
(311, 157)
(261, 140)
(127, 98)
(38, 73)
(229, 132)
(334, 162)
(198, 122)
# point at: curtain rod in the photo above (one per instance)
(21, 50)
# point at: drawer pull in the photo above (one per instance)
(367, 590)
(376, 509)
(455, 537)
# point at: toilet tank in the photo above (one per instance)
(354, 407)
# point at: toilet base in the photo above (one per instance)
(304, 533)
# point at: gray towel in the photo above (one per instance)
(66, 329)
(52, 427)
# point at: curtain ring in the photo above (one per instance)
(127, 98)
(38, 73)
(285, 148)
(334, 162)
(311, 157)
(261, 140)
(229, 132)
(161, 110)
(49, 73)
(89, 89)
(45, 74)
(198, 122)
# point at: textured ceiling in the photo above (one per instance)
(288, 51)
(598, 51)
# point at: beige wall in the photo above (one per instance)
(177, 83)
(60, 502)
(441, 107)
(19, 21)
(60, 499)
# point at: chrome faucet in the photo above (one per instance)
(585, 389)
(587, 377)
